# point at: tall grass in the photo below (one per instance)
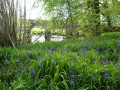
(70, 65)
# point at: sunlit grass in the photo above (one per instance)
(37, 30)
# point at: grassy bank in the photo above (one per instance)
(39, 31)
(90, 63)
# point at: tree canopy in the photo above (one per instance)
(94, 16)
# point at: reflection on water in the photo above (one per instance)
(42, 38)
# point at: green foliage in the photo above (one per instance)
(86, 15)
(72, 64)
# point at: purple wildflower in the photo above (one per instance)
(3, 68)
(76, 58)
(40, 64)
(54, 61)
(91, 74)
(78, 41)
(32, 72)
(72, 76)
(50, 52)
(68, 50)
(112, 87)
(27, 57)
(115, 65)
(102, 57)
(27, 67)
(72, 83)
(22, 68)
(106, 75)
(97, 48)
(54, 48)
(85, 53)
(6, 63)
(85, 49)
(17, 60)
(107, 62)
(11, 72)
(86, 41)
(94, 45)
(89, 44)
(117, 45)
(57, 49)
(71, 70)
(38, 57)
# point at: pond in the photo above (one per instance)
(42, 38)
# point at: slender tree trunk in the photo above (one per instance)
(20, 35)
(97, 17)
(70, 15)
(13, 26)
(24, 35)
(66, 26)
(16, 11)
(89, 5)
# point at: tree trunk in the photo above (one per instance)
(24, 35)
(47, 35)
(70, 15)
(97, 17)
(16, 11)
(20, 35)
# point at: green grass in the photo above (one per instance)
(90, 63)
(36, 31)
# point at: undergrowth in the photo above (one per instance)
(74, 64)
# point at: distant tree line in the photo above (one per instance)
(92, 16)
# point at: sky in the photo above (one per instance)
(33, 13)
